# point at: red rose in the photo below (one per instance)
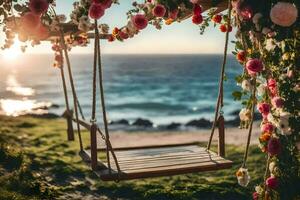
(197, 10)
(139, 21)
(254, 66)
(217, 18)
(30, 22)
(111, 38)
(223, 28)
(104, 3)
(197, 19)
(246, 13)
(255, 196)
(38, 7)
(272, 182)
(159, 10)
(274, 146)
(96, 11)
(241, 56)
(173, 14)
(123, 35)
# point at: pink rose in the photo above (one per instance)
(284, 14)
(194, 1)
(96, 11)
(277, 102)
(159, 10)
(30, 22)
(139, 21)
(267, 127)
(38, 7)
(274, 146)
(264, 109)
(255, 196)
(42, 32)
(272, 182)
(254, 66)
(272, 86)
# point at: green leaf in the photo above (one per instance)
(237, 95)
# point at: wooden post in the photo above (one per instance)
(221, 141)
(94, 160)
(70, 129)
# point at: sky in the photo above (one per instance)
(178, 38)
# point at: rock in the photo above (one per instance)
(173, 126)
(201, 123)
(44, 116)
(143, 122)
(233, 123)
(120, 122)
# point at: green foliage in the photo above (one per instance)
(49, 167)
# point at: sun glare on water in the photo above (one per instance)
(13, 52)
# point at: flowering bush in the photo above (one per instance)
(268, 47)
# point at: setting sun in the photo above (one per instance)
(13, 52)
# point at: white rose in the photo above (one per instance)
(243, 177)
(270, 44)
(256, 18)
(246, 85)
(272, 166)
(261, 89)
(283, 123)
(259, 189)
(245, 114)
(266, 30)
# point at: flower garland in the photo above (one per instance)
(157, 12)
(268, 47)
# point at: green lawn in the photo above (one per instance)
(37, 162)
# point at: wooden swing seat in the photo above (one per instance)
(157, 161)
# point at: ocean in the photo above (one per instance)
(160, 88)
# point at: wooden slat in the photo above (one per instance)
(158, 158)
(162, 163)
(152, 146)
(165, 171)
(165, 163)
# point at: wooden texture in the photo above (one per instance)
(221, 141)
(70, 130)
(160, 161)
(93, 141)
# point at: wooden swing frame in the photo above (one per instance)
(140, 161)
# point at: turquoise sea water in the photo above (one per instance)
(161, 88)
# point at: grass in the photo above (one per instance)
(37, 162)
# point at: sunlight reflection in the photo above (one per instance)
(16, 88)
(12, 107)
(13, 52)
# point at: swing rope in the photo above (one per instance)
(220, 100)
(253, 97)
(97, 55)
(65, 51)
